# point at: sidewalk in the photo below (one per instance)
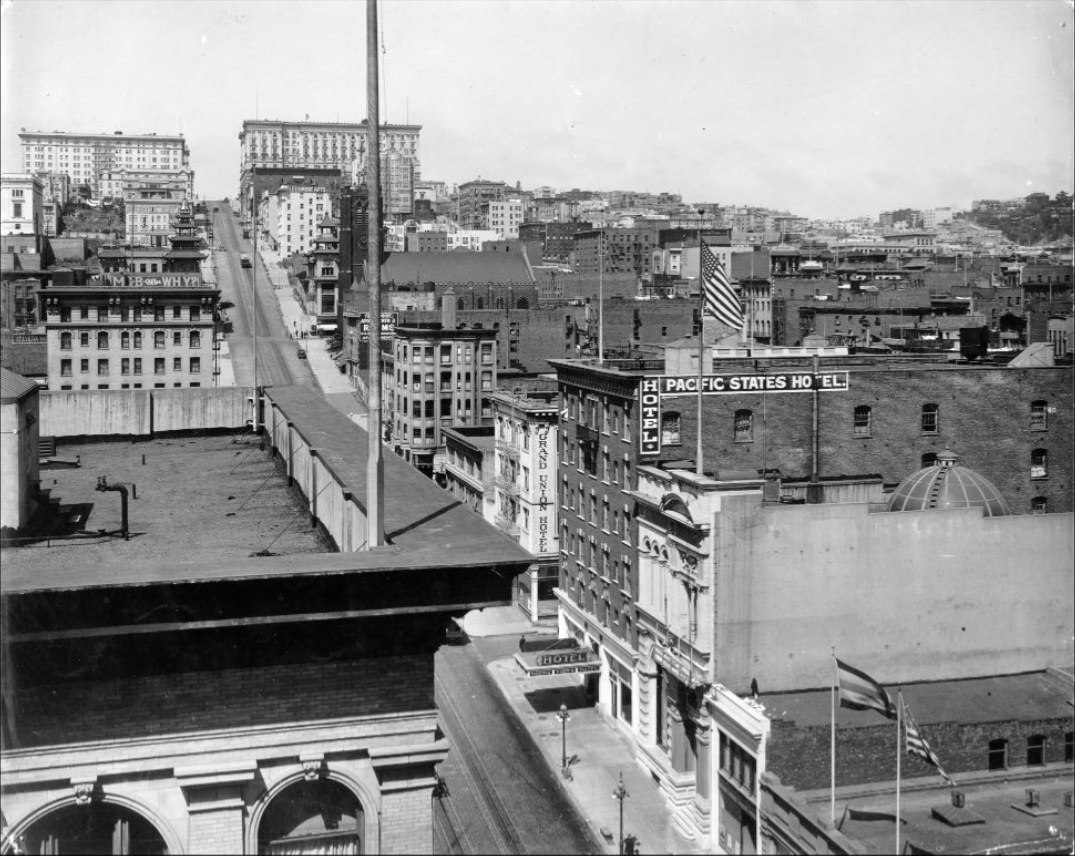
(603, 750)
(334, 384)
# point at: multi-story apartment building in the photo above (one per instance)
(116, 183)
(525, 473)
(88, 157)
(323, 271)
(504, 217)
(21, 204)
(472, 199)
(292, 215)
(437, 376)
(322, 149)
(147, 321)
(149, 213)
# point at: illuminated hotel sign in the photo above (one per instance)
(653, 389)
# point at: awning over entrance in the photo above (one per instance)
(679, 667)
(558, 661)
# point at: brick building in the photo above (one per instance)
(148, 320)
(694, 588)
(154, 705)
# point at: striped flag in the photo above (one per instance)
(917, 745)
(861, 692)
(719, 299)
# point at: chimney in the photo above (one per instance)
(447, 309)
(958, 799)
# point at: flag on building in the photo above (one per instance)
(861, 692)
(917, 745)
(719, 299)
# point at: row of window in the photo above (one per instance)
(131, 366)
(862, 424)
(133, 313)
(128, 340)
(192, 384)
(426, 354)
(598, 416)
(1035, 751)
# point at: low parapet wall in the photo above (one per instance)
(143, 412)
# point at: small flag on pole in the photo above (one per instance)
(718, 297)
(861, 692)
(917, 745)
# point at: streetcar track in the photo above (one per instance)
(505, 828)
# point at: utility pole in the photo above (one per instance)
(374, 461)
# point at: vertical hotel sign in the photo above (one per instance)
(653, 389)
(649, 414)
(543, 488)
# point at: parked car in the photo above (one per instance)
(302, 353)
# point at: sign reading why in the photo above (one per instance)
(653, 389)
(164, 280)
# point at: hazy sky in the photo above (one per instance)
(826, 109)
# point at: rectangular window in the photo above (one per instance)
(158, 365)
(930, 419)
(177, 338)
(84, 366)
(102, 367)
(125, 366)
(138, 365)
(1038, 416)
(862, 421)
(65, 368)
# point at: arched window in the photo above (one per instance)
(500, 303)
(94, 828)
(319, 816)
(1039, 464)
(65, 341)
(998, 754)
(158, 339)
(195, 339)
(125, 340)
(1038, 418)
(930, 419)
(929, 459)
(744, 426)
(479, 302)
(522, 303)
(863, 421)
(460, 303)
(102, 340)
(137, 339)
(670, 426)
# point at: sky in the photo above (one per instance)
(824, 109)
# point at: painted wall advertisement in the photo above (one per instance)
(653, 389)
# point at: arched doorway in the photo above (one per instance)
(312, 817)
(91, 829)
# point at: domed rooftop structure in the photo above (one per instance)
(947, 485)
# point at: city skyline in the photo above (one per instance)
(827, 110)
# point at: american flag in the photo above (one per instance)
(917, 745)
(719, 299)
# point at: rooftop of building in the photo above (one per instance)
(453, 267)
(994, 818)
(1024, 697)
(15, 387)
(196, 499)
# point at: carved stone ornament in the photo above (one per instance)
(311, 769)
(83, 792)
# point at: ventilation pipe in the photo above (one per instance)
(103, 485)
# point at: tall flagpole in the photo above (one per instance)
(698, 469)
(899, 731)
(832, 756)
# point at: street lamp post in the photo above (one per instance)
(621, 794)
(563, 716)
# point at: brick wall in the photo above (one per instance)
(219, 831)
(407, 819)
(801, 756)
(984, 419)
(227, 698)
